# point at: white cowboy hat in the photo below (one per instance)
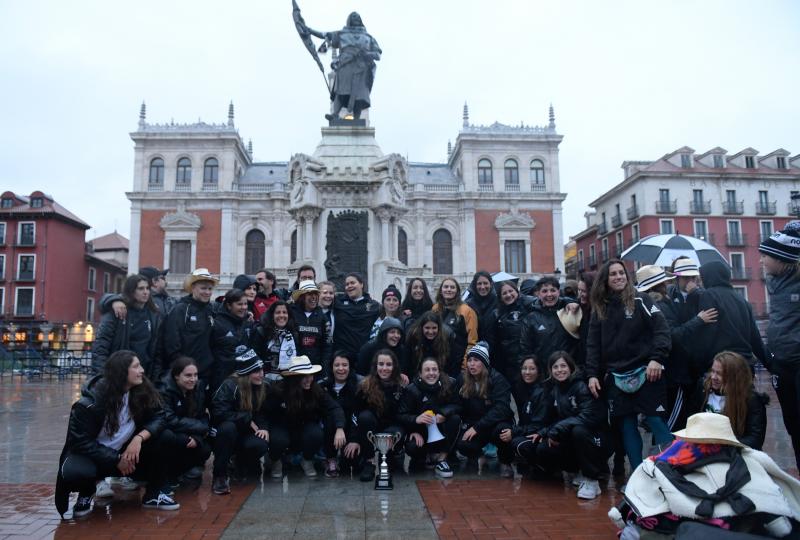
(301, 365)
(685, 267)
(304, 287)
(199, 274)
(708, 428)
(649, 276)
(570, 321)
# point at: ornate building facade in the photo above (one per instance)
(200, 199)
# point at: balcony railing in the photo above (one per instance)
(794, 208)
(741, 274)
(210, 186)
(155, 187)
(616, 221)
(633, 212)
(485, 188)
(514, 188)
(708, 237)
(602, 229)
(700, 207)
(183, 188)
(736, 240)
(538, 188)
(766, 208)
(733, 207)
(667, 207)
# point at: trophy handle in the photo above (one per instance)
(397, 437)
(371, 437)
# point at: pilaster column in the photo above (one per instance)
(384, 214)
(306, 217)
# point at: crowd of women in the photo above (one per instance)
(551, 378)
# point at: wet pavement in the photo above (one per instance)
(33, 422)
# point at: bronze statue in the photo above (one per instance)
(354, 69)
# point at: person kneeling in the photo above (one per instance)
(114, 430)
(429, 411)
(532, 397)
(237, 413)
(186, 421)
(297, 408)
(577, 438)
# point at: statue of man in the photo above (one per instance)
(354, 69)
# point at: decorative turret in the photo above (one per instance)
(230, 114)
(466, 115)
(250, 148)
(552, 124)
(449, 149)
(142, 115)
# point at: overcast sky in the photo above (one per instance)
(628, 80)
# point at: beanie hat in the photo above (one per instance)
(243, 281)
(480, 351)
(247, 361)
(783, 245)
(391, 290)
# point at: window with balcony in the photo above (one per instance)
(211, 171)
(731, 205)
(701, 229)
(604, 250)
(664, 205)
(592, 257)
(616, 219)
(666, 226)
(735, 236)
(24, 301)
(485, 172)
(620, 247)
(633, 209)
(794, 203)
(26, 267)
(156, 171)
(635, 233)
(602, 228)
(511, 172)
(184, 174)
(581, 261)
(26, 235)
(766, 229)
(515, 256)
(738, 270)
(699, 204)
(764, 206)
(537, 174)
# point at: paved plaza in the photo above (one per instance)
(33, 421)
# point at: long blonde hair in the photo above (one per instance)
(475, 386)
(737, 383)
(250, 401)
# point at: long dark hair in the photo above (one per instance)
(268, 320)
(439, 347)
(737, 385)
(601, 295)
(372, 386)
(175, 369)
(441, 305)
(129, 288)
(300, 404)
(141, 398)
(417, 307)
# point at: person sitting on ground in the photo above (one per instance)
(239, 417)
(527, 383)
(533, 400)
(312, 326)
(728, 389)
(186, 421)
(390, 337)
(232, 328)
(430, 337)
(431, 400)
(461, 320)
(342, 385)
(378, 400)
(114, 430)
(576, 438)
(485, 409)
(297, 409)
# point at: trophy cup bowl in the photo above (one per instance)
(383, 443)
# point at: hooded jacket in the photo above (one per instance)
(735, 329)
(543, 334)
(226, 407)
(312, 335)
(679, 364)
(176, 410)
(354, 321)
(138, 332)
(504, 330)
(420, 396)
(574, 405)
(485, 414)
(483, 306)
(187, 331)
(623, 340)
(369, 349)
(229, 332)
(783, 332)
(533, 407)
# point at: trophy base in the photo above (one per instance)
(384, 484)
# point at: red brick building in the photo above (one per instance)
(731, 201)
(48, 272)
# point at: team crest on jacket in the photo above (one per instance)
(628, 313)
(515, 315)
(572, 402)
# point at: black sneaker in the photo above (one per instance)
(221, 485)
(443, 470)
(367, 473)
(160, 501)
(83, 507)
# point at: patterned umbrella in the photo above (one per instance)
(662, 249)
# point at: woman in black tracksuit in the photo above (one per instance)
(532, 398)
(429, 336)
(355, 314)
(576, 435)
(483, 301)
(431, 399)
(503, 330)
(312, 326)
(341, 385)
(186, 419)
(485, 408)
(232, 328)
(390, 336)
(377, 403)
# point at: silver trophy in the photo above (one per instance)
(383, 443)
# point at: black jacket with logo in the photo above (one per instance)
(228, 333)
(354, 320)
(226, 406)
(187, 331)
(484, 414)
(312, 336)
(573, 404)
(420, 396)
(177, 417)
(543, 334)
(504, 330)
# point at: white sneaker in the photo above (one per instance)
(506, 471)
(578, 479)
(124, 483)
(589, 489)
(277, 469)
(103, 490)
(308, 468)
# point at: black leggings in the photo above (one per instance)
(306, 438)
(581, 449)
(449, 429)
(473, 448)
(182, 458)
(82, 473)
(367, 421)
(248, 449)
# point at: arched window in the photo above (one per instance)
(537, 172)
(484, 172)
(254, 251)
(184, 175)
(293, 247)
(157, 171)
(402, 246)
(442, 252)
(211, 171)
(511, 172)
